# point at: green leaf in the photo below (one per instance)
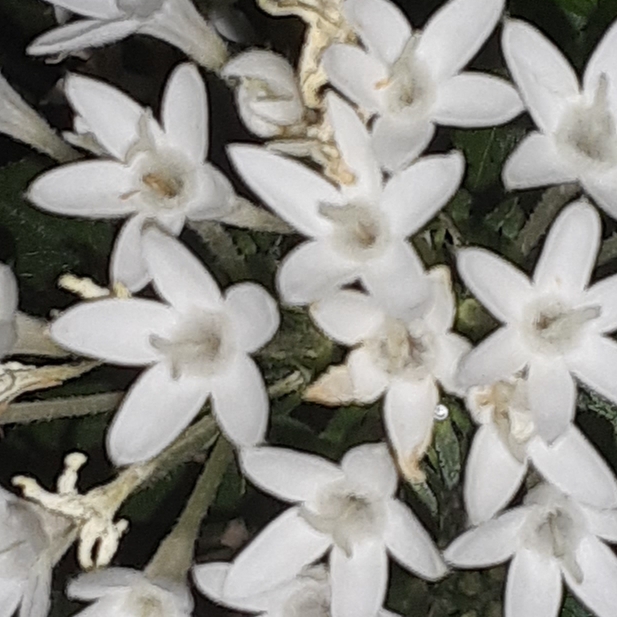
(581, 8)
(486, 151)
(508, 218)
(448, 452)
(571, 608)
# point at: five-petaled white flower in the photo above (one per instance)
(577, 136)
(506, 443)
(549, 537)
(413, 80)
(555, 325)
(405, 357)
(308, 594)
(196, 346)
(349, 508)
(158, 173)
(175, 21)
(124, 592)
(358, 230)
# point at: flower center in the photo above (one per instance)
(198, 347)
(139, 8)
(588, 130)
(347, 516)
(359, 232)
(310, 600)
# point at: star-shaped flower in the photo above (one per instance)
(550, 537)
(196, 346)
(555, 325)
(506, 444)
(404, 357)
(357, 230)
(412, 80)
(577, 136)
(124, 592)
(176, 22)
(157, 172)
(349, 508)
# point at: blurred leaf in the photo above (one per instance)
(582, 8)
(571, 608)
(508, 218)
(448, 452)
(231, 490)
(343, 422)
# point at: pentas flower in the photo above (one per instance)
(267, 96)
(506, 443)
(347, 509)
(157, 172)
(577, 136)
(359, 229)
(176, 22)
(550, 537)
(412, 80)
(195, 346)
(124, 592)
(405, 358)
(555, 325)
(308, 594)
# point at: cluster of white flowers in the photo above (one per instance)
(351, 176)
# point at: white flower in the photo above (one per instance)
(32, 542)
(577, 136)
(404, 357)
(413, 80)
(8, 310)
(176, 22)
(548, 538)
(506, 442)
(124, 592)
(349, 508)
(307, 595)
(158, 173)
(267, 97)
(195, 346)
(356, 231)
(555, 324)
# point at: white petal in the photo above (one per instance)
(11, 594)
(240, 402)
(91, 189)
(602, 61)
(178, 275)
(476, 99)
(114, 330)
(536, 161)
(573, 465)
(382, 26)
(82, 34)
(312, 271)
(501, 287)
(93, 585)
(110, 114)
(602, 187)
(408, 415)
(440, 313)
(488, 544)
(451, 349)
(604, 295)
(552, 396)
(492, 475)
(594, 364)
(498, 356)
(98, 9)
(287, 474)
(533, 588)
(155, 411)
(254, 314)
(214, 195)
(455, 33)
(570, 251)
(359, 581)
(184, 112)
(369, 381)
(9, 293)
(348, 316)
(356, 74)
(414, 196)
(545, 78)
(268, 561)
(36, 596)
(296, 200)
(127, 264)
(370, 466)
(410, 544)
(265, 66)
(598, 563)
(354, 143)
(398, 141)
(602, 523)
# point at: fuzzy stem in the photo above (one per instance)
(174, 556)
